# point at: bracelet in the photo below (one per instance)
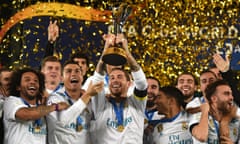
(56, 107)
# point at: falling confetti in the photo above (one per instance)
(166, 37)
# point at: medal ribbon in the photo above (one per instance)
(57, 88)
(149, 114)
(79, 119)
(202, 100)
(118, 111)
(216, 127)
(37, 122)
(106, 79)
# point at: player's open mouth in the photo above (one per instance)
(74, 80)
(32, 88)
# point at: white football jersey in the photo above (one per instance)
(213, 125)
(213, 130)
(171, 131)
(196, 102)
(1, 104)
(194, 118)
(105, 127)
(19, 131)
(62, 125)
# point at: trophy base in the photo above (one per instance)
(114, 56)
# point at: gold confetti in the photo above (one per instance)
(167, 37)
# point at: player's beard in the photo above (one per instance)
(28, 95)
(31, 97)
(117, 94)
(224, 107)
(187, 96)
(162, 109)
(150, 103)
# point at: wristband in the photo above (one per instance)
(56, 107)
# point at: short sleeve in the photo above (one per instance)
(11, 106)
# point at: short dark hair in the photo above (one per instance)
(188, 73)
(70, 62)
(80, 55)
(154, 78)
(49, 59)
(16, 77)
(124, 71)
(212, 87)
(4, 69)
(208, 71)
(174, 92)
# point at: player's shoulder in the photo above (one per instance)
(57, 96)
(12, 99)
(196, 102)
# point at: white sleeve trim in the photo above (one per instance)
(97, 77)
(139, 79)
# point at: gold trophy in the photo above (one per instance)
(115, 55)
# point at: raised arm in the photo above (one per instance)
(109, 41)
(53, 34)
(200, 130)
(137, 73)
(227, 74)
(130, 59)
(79, 106)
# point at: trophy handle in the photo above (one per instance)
(120, 15)
(127, 10)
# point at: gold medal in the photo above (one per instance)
(145, 121)
(79, 128)
(37, 129)
(120, 128)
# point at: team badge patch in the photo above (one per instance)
(160, 128)
(235, 131)
(145, 121)
(184, 126)
(211, 123)
(79, 128)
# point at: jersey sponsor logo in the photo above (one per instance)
(114, 123)
(74, 126)
(176, 139)
(213, 141)
(37, 130)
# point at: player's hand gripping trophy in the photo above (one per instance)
(115, 55)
